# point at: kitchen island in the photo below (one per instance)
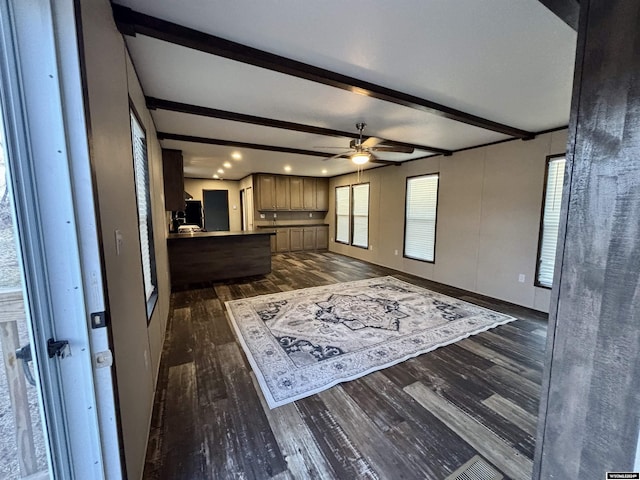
(213, 256)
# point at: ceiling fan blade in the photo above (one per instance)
(396, 148)
(340, 155)
(374, 159)
(371, 142)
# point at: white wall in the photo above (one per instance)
(111, 80)
(489, 206)
(195, 186)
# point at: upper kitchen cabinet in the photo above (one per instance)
(266, 194)
(309, 192)
(173, 175)
(297, 199)
(322, 194)
(282, 192)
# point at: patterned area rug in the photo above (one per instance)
(305, 341)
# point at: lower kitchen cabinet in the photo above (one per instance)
(322, 238)
(282, 240)
(297, 239)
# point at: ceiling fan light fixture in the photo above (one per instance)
(360, 158)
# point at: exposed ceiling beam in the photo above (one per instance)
(567, 10)
(230, 143)
(130, 22)
(155, 103)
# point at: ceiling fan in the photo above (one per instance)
(361, 151)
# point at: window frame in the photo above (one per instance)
(352, 216)
(548, 161)
(150, 303)
(335, 238)
(435, 225)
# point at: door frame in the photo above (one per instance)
(51, 180)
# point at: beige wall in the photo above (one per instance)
(195, 186)
(489, 205)
(111, 80)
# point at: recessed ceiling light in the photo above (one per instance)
(220, 170)
(216, 176)
(227, 165)
(287, 168)
(236, 156)
(324, 171)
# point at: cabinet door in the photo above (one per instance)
(282, 240)
(309, 238)
(322, 238)
(295, 185)
(309, 190)
(322, 194)
(295, 239)
(266, 192)
(282, 193)
(173, 175)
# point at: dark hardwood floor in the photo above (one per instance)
(421, 419)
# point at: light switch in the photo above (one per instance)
(118, 241)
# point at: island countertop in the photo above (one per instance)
(214, 256)
(174, 236)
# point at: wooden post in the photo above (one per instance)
(12, 308)
(590, 404)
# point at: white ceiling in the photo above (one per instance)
(509, 61)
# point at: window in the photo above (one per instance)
(360, 215)
(143, 197)
(420, 217)
(550, 220)
(342, 215)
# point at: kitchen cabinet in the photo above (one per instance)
(297, 201)
(287, 193)
(309, 238)
(173, 178)
(309, 193)
(322, 194)
(282, 186)
(282, 240)
(266, 192)
(322, 238)
(296, 242)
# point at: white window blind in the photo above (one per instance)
(550, 221)
(342, 214)
(143, 197)
(420, 217)
(360, 210)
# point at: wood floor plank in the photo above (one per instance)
(260, 455)
(361, 428)
(339, 450)
(180, 459)
(297, 444)
(505, 458)
(381, 451)
(512, 412)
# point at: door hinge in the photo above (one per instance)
(56, 347)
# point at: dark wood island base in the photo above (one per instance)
(213, 256)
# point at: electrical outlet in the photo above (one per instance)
(395, 252)
(275, 215)
(262, 215)
(521, 278)
(310, 215)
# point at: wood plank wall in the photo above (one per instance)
(590, 406)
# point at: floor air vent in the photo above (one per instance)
(476, 469)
